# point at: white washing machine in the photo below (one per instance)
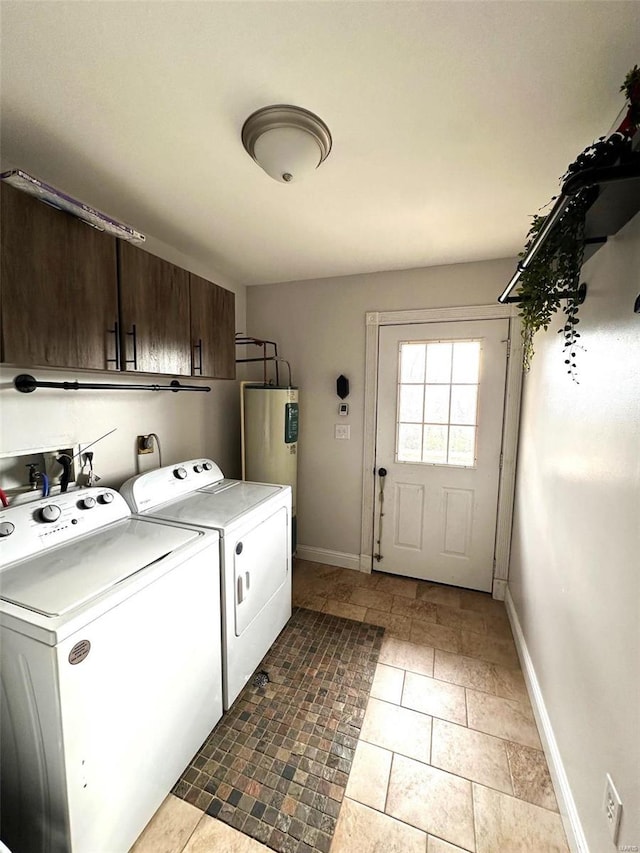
(110, 668)
(254, 522)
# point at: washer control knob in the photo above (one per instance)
(180, 473)
(207, 466)
(6, 528)
(105, 498)
(50, 513)
(198, 468)
(88, 503)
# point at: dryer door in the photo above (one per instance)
(261, 567)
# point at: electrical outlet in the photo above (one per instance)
(144, 444)
(342, 431)
(612, 808)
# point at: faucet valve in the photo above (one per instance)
(33, 474)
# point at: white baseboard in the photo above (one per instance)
(566, 803)
(329, 558)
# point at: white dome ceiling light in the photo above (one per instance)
(287, 142)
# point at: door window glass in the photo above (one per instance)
(437, 408)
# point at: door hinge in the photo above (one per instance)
(501, 460)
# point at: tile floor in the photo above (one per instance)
(449, 757)
(277, 764)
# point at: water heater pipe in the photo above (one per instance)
(242, 445)
(242, 340)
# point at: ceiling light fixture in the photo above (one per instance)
(287, 142)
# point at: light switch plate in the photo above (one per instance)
(342, 431)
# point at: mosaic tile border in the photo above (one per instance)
(276, 765)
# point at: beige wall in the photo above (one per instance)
(575, 569)
(188, 424)
(319, 326)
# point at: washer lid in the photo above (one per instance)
(64, 578)
(218, 505)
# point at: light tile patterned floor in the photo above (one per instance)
(449, 757)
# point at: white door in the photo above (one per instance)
(441, 389)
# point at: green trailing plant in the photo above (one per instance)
(554, 270)
(631, 89)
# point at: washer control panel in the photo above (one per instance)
(156, 487)
(30, 528)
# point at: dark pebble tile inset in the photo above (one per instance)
(276, 765)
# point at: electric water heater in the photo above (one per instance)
(270, 439)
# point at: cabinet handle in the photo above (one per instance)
(197, 367)
(134, 360)
(116, 332)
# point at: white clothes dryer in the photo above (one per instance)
(110, 668)
(254, 523)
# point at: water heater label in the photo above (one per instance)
(290, 423)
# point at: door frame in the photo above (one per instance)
(513, 390)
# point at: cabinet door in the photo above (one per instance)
(154, 313)
(212, 329)
(59, 287)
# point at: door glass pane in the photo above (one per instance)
(411, 403)
(464, 404)
(412, 358)
(466, 361)
(462, 445)
(409, 443)
(436, 404)
(434, 447)
(439, 362)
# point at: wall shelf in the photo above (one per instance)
(615, 192)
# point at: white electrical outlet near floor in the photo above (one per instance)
(342, 431)
(612, 808)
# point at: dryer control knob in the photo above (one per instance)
(87, 503)
(198, 469)
(6, 528)
(50, 513)
(207, 466)
(105, 498)
(180, 473)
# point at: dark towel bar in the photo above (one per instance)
(26, 384)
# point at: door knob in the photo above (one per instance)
(382, 472)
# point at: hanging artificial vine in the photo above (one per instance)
(555, 268)
(631, 89)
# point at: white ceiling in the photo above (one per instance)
(451, 121)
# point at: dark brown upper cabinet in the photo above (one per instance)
(212, 330)
(154, 313)
(59, 287)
